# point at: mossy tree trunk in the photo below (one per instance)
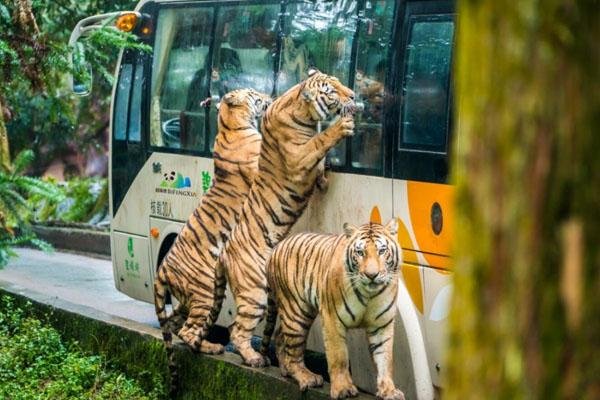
(5, 164)
(525, 320)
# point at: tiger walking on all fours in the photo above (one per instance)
(188, 269)
(290, 163)
(350, 281)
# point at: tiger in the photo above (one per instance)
(349, 280)
(188, 270)
(291, 161)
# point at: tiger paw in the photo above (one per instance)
(257, 361)
(207, 347)
(390, 394)
(191, 338)
(346, 126)
(322, 182)
(339, 391)
(307, 379)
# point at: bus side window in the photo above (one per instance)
(135, 116)
(423, 137)
(179, 78)
(369, 84)
(426, 111)
(122, 102)
(243, 55)
(318, 34)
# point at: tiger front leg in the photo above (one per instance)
(291, 345)
(314, 151)
(381, 344)
(336, 352)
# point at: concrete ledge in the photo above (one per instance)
(138, 350)
(75, 239)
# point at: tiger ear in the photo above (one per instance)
(232, 99)
(349, 229)
(392, 226)
(312, 71)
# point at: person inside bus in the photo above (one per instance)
(370, 90)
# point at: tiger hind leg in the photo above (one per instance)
(195, 330)
(291, 345)
(250, 310)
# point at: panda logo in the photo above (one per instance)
(170, 177)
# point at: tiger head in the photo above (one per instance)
(255, 102)
(373, 257)
(326, 96)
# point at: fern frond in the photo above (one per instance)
(37, 186)
(22, 161)
(42, 245)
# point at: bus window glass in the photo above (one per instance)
(179, 78)
(425, 113)
(122, 102)
(318, 34)
(245, 47)
(369, 82)
(135, 119)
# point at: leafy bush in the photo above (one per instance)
(84, 200)
(36, 363)
(15, 210)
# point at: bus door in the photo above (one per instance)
(128, 147)
(420, 159)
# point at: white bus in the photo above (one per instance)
(395, 54)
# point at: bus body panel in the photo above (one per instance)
(131, 265)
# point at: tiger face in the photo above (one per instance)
(256, 102)
(326, 96)
(373, 257)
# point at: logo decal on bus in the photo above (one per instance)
(206, 181)
(174, 182)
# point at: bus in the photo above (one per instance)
(395, 54)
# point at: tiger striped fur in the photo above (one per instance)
(349, 280)
(290, 163)
(188, 269)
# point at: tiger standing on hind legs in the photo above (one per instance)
(350, 281)
(290, 164)
(188, 269)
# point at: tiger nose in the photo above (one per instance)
(371, 274)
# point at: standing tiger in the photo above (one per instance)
(188, 269)
(290, 163)
(349, 280)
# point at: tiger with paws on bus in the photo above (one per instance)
(291, 161)
(188, 269)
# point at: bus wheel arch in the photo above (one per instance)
(165, 246)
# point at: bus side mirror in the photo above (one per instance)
(81, 74)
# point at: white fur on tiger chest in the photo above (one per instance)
(364, 311)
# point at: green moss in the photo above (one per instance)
(36, 362)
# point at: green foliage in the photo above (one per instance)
(14, 189)
(15, 210)
(36, 363)
(42, 113)
(83, 200)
